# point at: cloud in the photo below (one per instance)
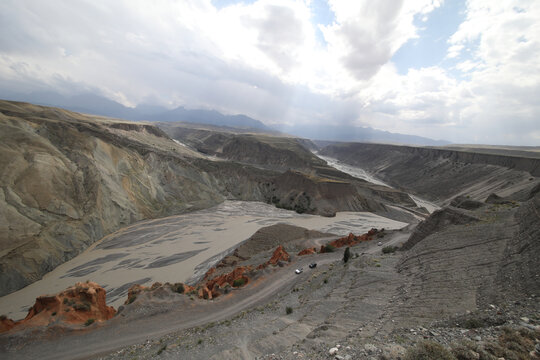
(263, 59)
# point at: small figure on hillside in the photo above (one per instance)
(347, 254)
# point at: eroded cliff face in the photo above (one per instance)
(83, 303)
(67, 180)
(441, 174)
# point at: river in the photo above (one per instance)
(171, 249)
(362, 174)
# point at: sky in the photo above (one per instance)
(465, 71)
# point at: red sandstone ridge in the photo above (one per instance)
(79, 304)
(212, 288)
(279, 255)
(307, 251)
(6, 324)
(209, 273)
(236, 278)
(351, 239)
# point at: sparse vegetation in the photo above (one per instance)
(511, 344)
(54, 313)
(239, 282)
(389, 249)
(178, 288)
(199, 341)
(428, 350)
(84, 306)
(473, 323)
(288, 310)
(329, 248)
(162, 349)
(89, 322)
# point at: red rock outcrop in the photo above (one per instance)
(307, 251)
(209, 273)
(75, 305)
(6, 324)
(205, 293)
(238, 275)
(133, 291)
(352, 240)
(214, 287)
(279, 255)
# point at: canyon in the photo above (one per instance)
(442, 243)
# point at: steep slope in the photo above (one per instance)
(69, 179)
(438, 174)
(473, 259)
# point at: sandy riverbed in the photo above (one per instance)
(169, 249)
(362, 174)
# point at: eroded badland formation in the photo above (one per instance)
(460, 283)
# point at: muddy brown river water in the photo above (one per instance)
(176, 248)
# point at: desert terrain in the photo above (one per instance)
(195, 234)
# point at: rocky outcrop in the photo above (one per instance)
(352, 240)
(238, 277)
(83, 303)
(279, 255)
(6, 324)
(308, 251)
(135, 290)
(235, 278)
(213, 284)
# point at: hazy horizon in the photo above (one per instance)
(467, 72)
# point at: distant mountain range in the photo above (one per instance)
(347, 133)
(94, 104)
(98, 105)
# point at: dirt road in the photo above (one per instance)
(120, 332)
